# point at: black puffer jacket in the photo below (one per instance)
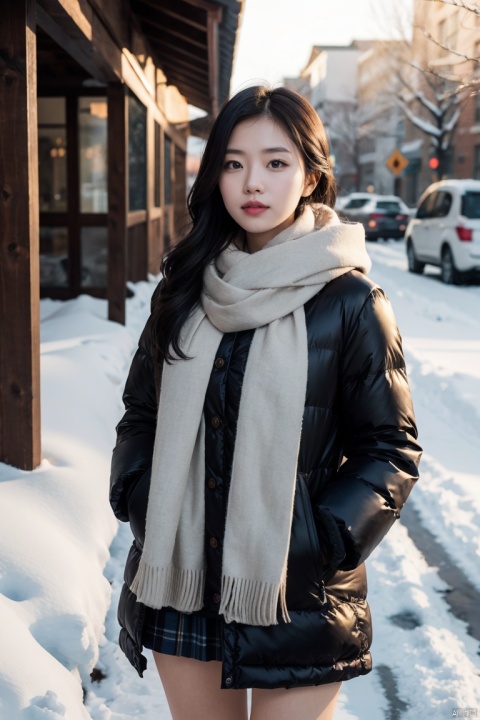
(357, 464)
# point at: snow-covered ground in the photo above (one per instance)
(56, 525)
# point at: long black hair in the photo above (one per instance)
(212, 227)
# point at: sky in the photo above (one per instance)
(276, 36)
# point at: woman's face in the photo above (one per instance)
(262, 180)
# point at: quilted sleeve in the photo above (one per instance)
(381, 453)
(133, 451)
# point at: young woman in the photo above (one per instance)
(284, 443)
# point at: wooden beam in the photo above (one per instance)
(198, 100)
(152, 18)
(19, 240)
(117, 201)
(208, 5)
(175, 49)
(177, 74)
(78, 30)
(162, 32)
(136, 217)
(180, 11)
(189, 69)
(116, 17)
(213, 61)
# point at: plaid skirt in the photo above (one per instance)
(190, 635)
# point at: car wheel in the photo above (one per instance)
(414, 265)
(449, 273)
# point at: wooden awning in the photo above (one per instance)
(193, 42)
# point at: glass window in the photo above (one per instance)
(443, 204)
(94, 254)
(476, 107)
(471, 205)
(54, 257)
(426, 208)
(476, 162)
(52, 154)
(137, 154)
(158, 159)
(389, 206)
(167, 171)
(356, 203)
(92, 126)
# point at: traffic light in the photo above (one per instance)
(433, 163)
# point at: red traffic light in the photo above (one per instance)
(433, 163)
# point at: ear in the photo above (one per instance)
(311, 182)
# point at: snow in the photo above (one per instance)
(56, 525)
(62, 557)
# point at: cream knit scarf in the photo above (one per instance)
(266, 290)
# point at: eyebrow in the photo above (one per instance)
(233, 151)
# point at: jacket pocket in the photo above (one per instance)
(311, 527)
(137, 502)
(305, 588)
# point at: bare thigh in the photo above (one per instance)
(193, 690)
(305, 703)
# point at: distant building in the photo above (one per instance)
(381, 120)
(329, 82)
(457, 29)
(94, 124)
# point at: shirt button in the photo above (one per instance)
(216, 598)
(211, 483)
(213, 542)
(228, 680)
(215, 422)
(219, 362)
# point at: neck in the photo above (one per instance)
(257, 241)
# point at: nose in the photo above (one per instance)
(253, 182)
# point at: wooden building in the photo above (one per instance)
(94, 101)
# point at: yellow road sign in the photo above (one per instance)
(397, 162)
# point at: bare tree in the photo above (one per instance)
(431, 98)
(443, 109)
(342, 123)
(461, 4)
(470, 12)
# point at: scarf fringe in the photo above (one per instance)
(170, 586)
(252, 602)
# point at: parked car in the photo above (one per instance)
(383, 216)
(348, 205)
(446, 230)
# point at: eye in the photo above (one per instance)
(231, 165)
(277, 164)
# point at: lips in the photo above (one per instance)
(254, 208)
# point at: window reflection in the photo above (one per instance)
(54, 257)
(167, 172)
(137, 153)
(94, 254)
(156, 189)
(52, 155)
(92, 125)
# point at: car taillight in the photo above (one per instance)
(372, 219)
(401, 217)
(464, 234)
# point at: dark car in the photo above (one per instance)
(383, 216)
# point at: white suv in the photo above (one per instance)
(446, 230)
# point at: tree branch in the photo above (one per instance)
(466, 58)
(460, 4)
